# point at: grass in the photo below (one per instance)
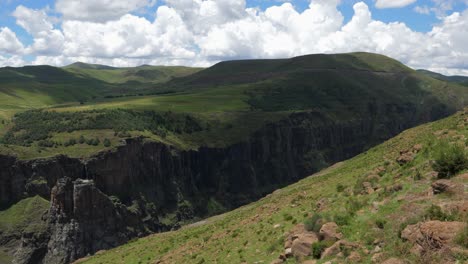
(25, 215)
(205, 101)
(251, 233)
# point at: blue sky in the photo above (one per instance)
(54, 42)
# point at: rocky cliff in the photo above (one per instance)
(143, 187)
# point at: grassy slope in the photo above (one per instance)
(248, 233)
(24, 216)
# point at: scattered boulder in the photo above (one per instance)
(321, 204)
(432, 175)
(446, 186)
(277, 261)
(302, 246)
(460, 207)
(299, 242)
(393, 261)
(373, 178)
(407, 156)
(354, 257)
(394, 188)
(377, 258)
(329, 231)
(338, 246)
(368, 187)
(309, 262)
(432, 235)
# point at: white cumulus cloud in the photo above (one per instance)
(100, 10)
(200, 33)
(393, 3)
(9, 43)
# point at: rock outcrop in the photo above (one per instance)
(82, 220)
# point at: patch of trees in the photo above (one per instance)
(38, 125)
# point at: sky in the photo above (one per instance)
(424, 34)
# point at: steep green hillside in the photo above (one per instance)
(375, 199)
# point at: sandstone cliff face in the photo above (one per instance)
(139, 183)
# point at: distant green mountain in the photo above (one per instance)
(131, 75)
(251, 71)
(33, 87)
(463, 80)
(82, 65)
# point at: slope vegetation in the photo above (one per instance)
(379, 201)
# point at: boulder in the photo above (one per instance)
(354, 257)
(409, 154)
(394, 188)
(299, 241)
(277, 261)
(460, 207)
(432, 235)
(310, 261)
(393, 261)
(405, 157)
(329, 231)
(336, 248)
(446, 186)
(302, 246)
(377, 258)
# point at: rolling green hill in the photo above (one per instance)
(34, 87)
(372, 197)
(145, 74)
(230, 95)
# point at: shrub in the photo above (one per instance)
(287, 217)
(314, 223)
(82, 139)
(319, 247)
(70, 142)
(380, 223)
(449, 159)
(93, 142)
(434, 212)
(342, 219)
(353, 205)
(107, 142)
(46, 143)
(340, 187)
